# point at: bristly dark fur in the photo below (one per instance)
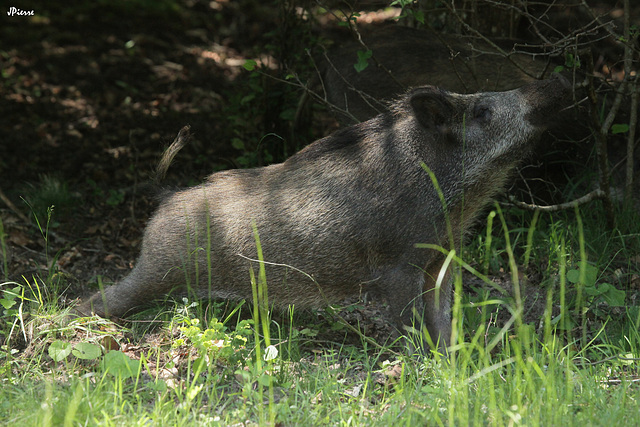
(344, 138)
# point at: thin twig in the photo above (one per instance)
(633, 123)
(628, 57)
(502, 52)
(600, 133)
(594, 195)
(614, 357)
(13, 207)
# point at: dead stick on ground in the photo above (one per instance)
(595, 194)
(11, 206)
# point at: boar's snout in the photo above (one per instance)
(549, 100)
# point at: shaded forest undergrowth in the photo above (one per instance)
(86, 115)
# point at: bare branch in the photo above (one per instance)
(505, 54)
(633, 123)
(628, 57)
(589, 197)
(13, 207)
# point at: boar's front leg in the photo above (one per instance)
(437, 303)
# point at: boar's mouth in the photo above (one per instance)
(549, 101)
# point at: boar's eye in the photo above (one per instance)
(482, 112)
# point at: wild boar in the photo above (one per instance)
(343, 216)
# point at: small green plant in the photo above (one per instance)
(409, 10)
(11, 301)
(114, 362)
(111, 198)
(8, 301)
(59, 350)
(214, 342)
(119, 365)
(16, 299)
(596, 292)
(47, 193)
(4, 251)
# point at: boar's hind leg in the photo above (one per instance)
(133, 292)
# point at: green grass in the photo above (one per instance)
(49, 194)
(575, 363)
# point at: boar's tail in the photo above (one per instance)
(181, 140)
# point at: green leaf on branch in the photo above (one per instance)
(363, 57)
(250, 65)
(619, 128)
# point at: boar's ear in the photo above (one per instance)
(432, 109)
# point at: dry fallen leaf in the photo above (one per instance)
(110, 343)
